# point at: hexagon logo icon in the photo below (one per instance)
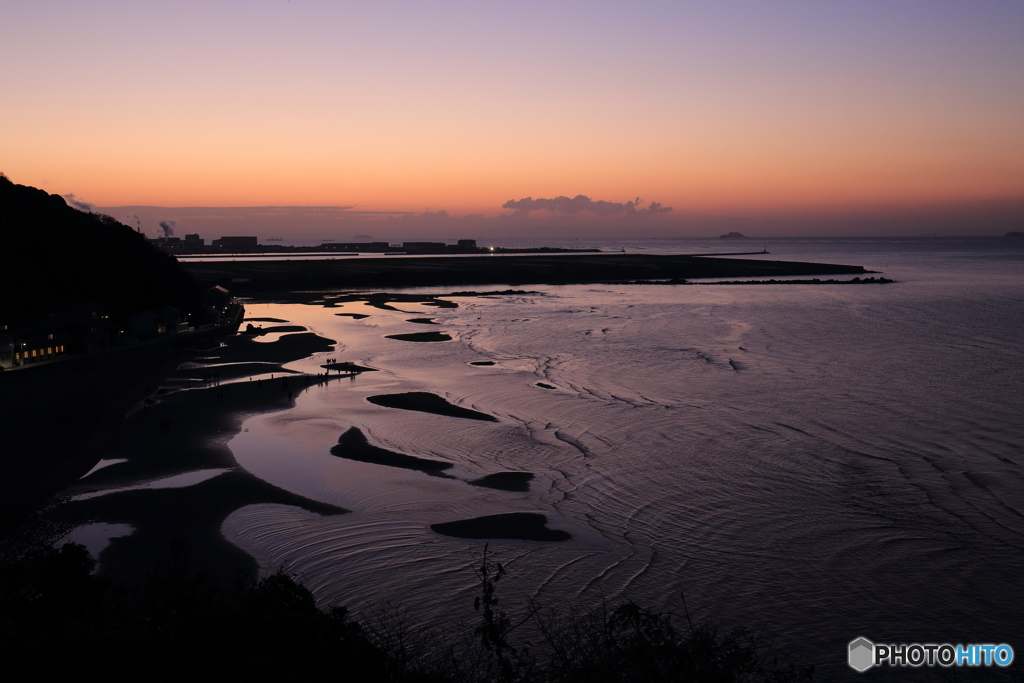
(862, 654)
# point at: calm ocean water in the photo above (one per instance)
(817, 462)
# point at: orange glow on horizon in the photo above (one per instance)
(796, 109)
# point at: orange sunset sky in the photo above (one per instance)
(789, 118)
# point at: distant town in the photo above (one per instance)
(242, 244)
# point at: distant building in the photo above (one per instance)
(468, 245)
(425, 247)
(355, 246)
(195, 242)
(236, 244)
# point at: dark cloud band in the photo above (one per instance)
(583, 204)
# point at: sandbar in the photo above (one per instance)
(518, 482)
(421, 337)
(383, 300)
(525, 526)
(354, 446)
(198, 373)
(512, 271)
(283, 328)
(347, 367)
(425, 402)
(285, 349)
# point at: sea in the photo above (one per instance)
(811, 462)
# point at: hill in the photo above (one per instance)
(54, 257)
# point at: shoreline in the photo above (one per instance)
(181, 431)
(169, 474)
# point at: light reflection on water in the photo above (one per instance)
(177, 481)
(101, 464)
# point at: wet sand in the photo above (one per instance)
(190, 376)
(188, 431)
(525, 526)
(184, 428)
(193, 514)
(354, 446)
(425, 402)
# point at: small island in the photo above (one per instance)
(733, 236)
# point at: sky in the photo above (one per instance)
(444, 118)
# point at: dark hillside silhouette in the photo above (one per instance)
(54, 257)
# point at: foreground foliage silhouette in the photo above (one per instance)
(57, 616)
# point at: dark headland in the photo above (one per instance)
(93, 318)
(432, 271)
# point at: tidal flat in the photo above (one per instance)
(764, 450)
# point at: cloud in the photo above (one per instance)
(428, 217)
(75, 202)
(582, 204)
(168, 228)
